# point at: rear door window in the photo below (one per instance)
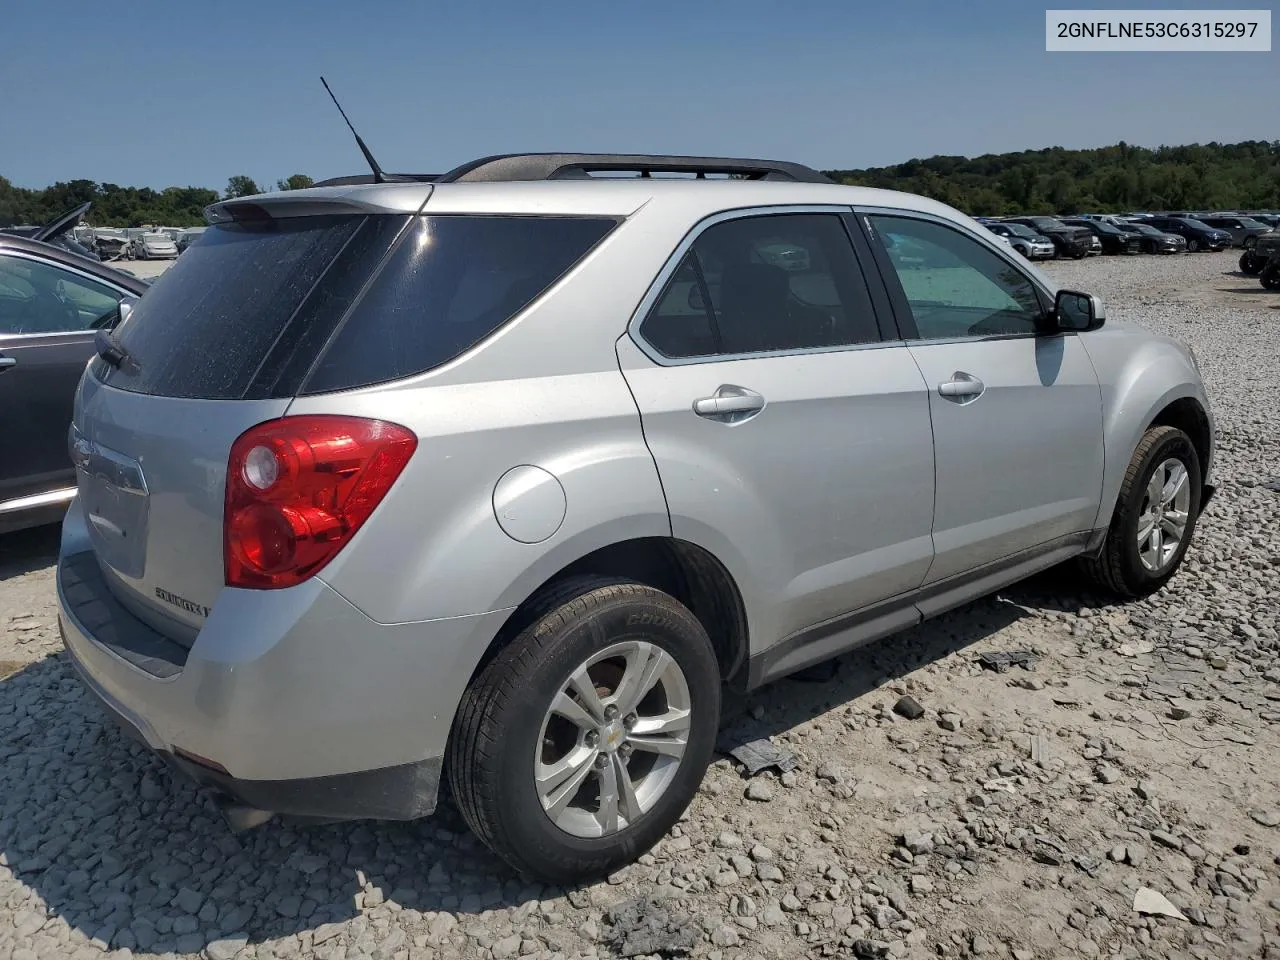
(780, 282)
(452, 281)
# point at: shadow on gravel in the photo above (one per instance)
(119, 849)
(866, 669)
(28, 550)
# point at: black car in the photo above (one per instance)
(52, 304)
(1199, 236)
(1073, 242)
(1114, 240)
(1153, 240)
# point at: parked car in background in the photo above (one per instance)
(113, 244)
(52, 303)
(1244, 230)
(1199, 236)
(154, 246)
(582, 451)
(1264, 248)
(1073, 242)
(1153, 240)
(1022, 238)
(1111, 238)
(189, 236)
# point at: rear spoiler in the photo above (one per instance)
(315, 201)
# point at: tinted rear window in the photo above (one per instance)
(206, 326)
(452, 281)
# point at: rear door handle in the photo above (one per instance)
(730, 403)
(961, 387)
(7, 363)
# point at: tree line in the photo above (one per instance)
(1111, 179)
(117, 206)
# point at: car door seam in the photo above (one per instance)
(644, 438)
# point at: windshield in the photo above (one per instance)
(1047, 223)
(1020, 230)
(1250, 224)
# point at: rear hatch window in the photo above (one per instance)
(272, 308)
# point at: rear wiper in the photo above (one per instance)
(112, 352)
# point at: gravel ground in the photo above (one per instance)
(1019, 815)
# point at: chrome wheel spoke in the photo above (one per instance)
(619, 806)
(569, 708)
(1174, 484)
(1146, 523)
(585, 689)
(1155, 489)
(667, 746)
(558, 783)
(628, 803)
(644, 667)
(673, 721)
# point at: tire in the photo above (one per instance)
(1248, 263)
(1025, 252)
(1119, 567)
(1193, 246)
(1270, 278)
(504, 730)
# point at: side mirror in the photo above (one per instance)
(126, 308)
(1077, 312)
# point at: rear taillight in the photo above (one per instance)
(299, 488)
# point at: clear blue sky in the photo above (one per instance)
(158, 93)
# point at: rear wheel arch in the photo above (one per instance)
(689, 573)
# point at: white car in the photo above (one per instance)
(155, 246)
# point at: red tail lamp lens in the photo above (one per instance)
(298, 489)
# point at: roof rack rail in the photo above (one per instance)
(369, 178)
(566, 166)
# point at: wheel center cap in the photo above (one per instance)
(612, 735)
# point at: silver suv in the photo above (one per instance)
(496, 477)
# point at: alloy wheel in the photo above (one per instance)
(1166, 511)
(612, 739)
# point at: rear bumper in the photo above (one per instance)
(403, 792)
(291, 701)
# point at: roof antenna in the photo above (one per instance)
(378, 175)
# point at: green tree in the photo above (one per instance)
(241, 186)
(298, 181)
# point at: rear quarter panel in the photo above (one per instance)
(545, 390)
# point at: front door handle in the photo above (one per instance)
(7, 363)
(729, 403)
(962, 387)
